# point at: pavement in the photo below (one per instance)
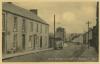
(26, 52)
(70, 53)
(89, 54)
(85, 54)
(23, 53)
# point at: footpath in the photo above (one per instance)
(89, 54)
(85, 54)
(22, 53)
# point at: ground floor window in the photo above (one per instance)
(15, 42)
(35, 41)
(45, 41)
(30, 40)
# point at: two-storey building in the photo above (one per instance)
(22, 30)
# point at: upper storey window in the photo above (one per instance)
(15, 23)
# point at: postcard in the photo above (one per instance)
(50, 31)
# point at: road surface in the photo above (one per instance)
(70, 52)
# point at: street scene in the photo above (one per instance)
(69, 53)
(50, 31)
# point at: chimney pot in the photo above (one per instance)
(9, 2)
(34, 11)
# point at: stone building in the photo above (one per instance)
(51, 40)
(22, 30)
(88, 36)
(78, 39)
(94, 32)
(60, 33)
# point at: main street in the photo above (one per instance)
(70, 52)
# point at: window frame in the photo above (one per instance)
(15, 41)
(15, 28)
(3, 22)
(23, 25)
(31, 26)
(37, 28)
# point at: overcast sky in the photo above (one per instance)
(73, 16)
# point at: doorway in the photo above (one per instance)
(3, 42)
(35, 41)
(40, 41)
(23, 41)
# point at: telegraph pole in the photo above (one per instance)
(97, 25)
(97, 18)
(54, 32)
(97, 14)
(88, 34)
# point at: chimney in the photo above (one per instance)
(34, 11)
(9, 2)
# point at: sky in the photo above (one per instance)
(73, 16)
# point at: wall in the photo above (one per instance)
(28, 45)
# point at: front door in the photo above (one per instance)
(34, 41)
(41, 42)
(3, 42)
(23, 41)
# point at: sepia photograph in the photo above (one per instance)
(50, 31)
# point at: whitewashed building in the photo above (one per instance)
(78, 39)
(22, 30)
(60, 33)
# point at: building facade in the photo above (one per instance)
(93, 37)
(22, 30)
(78, 39)
(51, 40)
(60, 33)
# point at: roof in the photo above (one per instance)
(12, 8)
(60, 29)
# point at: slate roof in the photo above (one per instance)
(12, 8)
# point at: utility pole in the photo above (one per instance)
(88, 34)
(97, 13)
(97, 18)
(54, 33)
(97, 26)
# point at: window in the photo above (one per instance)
(15, 40)
(15, 23)
(45, 41)
(37, 27)
(30, 40)
(46, 29)
(23, 25)
(41, 28)
(3, 22)
(3, 34)
(31, 26)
